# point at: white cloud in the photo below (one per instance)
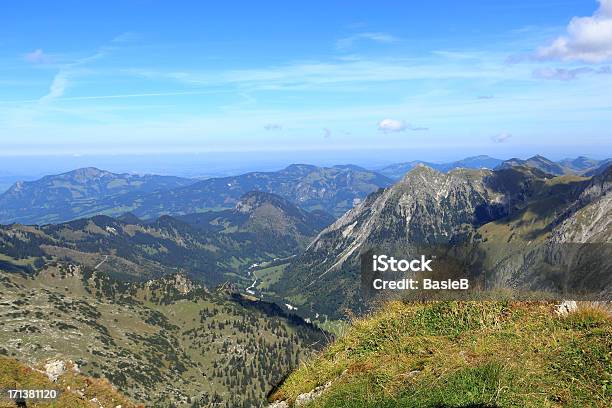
(326, 133)
(501, 137)
(58, 86)
(395, 125)
(348, 42)
(36, 57)
(273, 126)
(392, 125)
(588, 39)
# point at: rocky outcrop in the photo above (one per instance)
(308, 397)
(54, 369)
(589, 219)
(303, 399)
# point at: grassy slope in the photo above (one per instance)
(75, 390)
(485, 354)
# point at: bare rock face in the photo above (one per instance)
(54, 369)
(183, 284)
(279, 404)
(590, 218)
(426, 206)
(177, 282)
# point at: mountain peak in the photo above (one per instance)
(422, 170)
(254, 199)
(129, 218)
(539, 157)
(349, 167)
(299, 168)
(87, 172)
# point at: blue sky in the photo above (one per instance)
(437, 79)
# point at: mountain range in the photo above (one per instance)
(87, 192)
(580, 165)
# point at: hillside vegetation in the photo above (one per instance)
(463, 354)
(164, 343)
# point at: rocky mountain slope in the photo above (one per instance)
(508, 214)
(79, 193)
(165, 343)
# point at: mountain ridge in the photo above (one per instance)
(580, 165)
(500, 211)
(90, 191)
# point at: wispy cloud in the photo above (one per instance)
(126, 37)
(58, 86)
(502, 137)
(302, 75)
(326, 133)
(63, 79)
(273, 126)
(37, 57)
(562, 74)
(348, 42)
(587, 39)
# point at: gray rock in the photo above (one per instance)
(566, 307)
(54, 369)
(279, 404)
(308, 397)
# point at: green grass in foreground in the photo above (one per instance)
(464, 354)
